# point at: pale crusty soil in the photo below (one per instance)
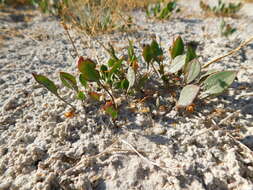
(42, 149)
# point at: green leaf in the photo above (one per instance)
(103, 68)
(191, 54)
(47, 83)
(110, 110)
(177, 47)
(83, 81)
(205, 75)
(218, 82)
(80, 95)
(156, 50)
(193, 71)
(147, 53)
(177, 64)
(187, 95)
(124, 84)
(68, 80)
(131, 53)
(88, 68)
(114, 69)
(130, 77)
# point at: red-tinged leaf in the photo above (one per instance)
(88, 68)
(110, 109)
(68, 80)
(95, 96)
(47, 83)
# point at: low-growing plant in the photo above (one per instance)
(226, 29)
(121, 75)
(222, 9)
(162, 10)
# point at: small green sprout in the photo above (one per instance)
(226, 29)
(222, 9)
(160, 10)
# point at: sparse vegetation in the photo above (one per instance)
(162, 10)
(122, 75)
(222, 9)
(226, 29)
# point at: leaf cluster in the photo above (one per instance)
(222, 9)
(161, 10)
(123, 75)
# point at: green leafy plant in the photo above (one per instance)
(162, 10)
(183, 74)
(222, 9)
(226, 29)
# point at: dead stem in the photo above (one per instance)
(229, 53)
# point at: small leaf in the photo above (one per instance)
(147, 53)
(83, 81)
(131, 54)
(191, 54)
(194, 69)
(110, 110)
(124, 84)
(68, 80)
(103, 68)
(218, 82)
(111, 62)
(80, 95)
(187, 95)
(115, 68)
(95, 96)
(130, 77)
(156, 50)
(46, 83)
(177, 64)
(88, 68)
(177, 48)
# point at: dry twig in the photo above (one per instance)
(230, 53)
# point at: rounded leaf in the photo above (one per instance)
(88, 68)
(193, 70)
(147, 53)
(218, 82)
(187, 95)
(177, 64)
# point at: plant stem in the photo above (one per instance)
(73, 107)
(229, 53)
(113, 99)
(71, 40)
